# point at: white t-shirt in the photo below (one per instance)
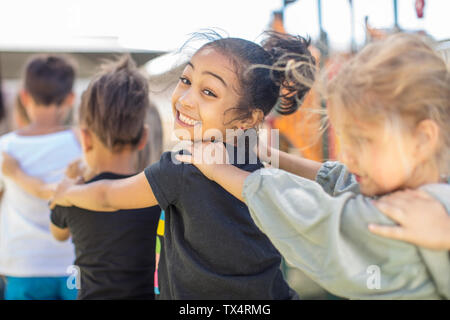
(27, 248)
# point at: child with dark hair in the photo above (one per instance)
(211, 248)
(114, 250)
(33, 262)
(20, 117)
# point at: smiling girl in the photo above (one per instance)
(390, 106)
(212, 249)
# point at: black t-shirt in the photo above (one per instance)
(115, 251)
(212, 249)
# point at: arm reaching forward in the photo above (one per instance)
(34, 186)
(106, 195)
(212, 160)
(294, 164)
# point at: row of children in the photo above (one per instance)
(227, 226)
(111, 132)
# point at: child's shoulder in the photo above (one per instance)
(59, 140)
(44, 132)
(6, 139)
(7, 136)
(439, 191)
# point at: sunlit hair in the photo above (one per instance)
(49, 78)
(400, 80)
(115, 104)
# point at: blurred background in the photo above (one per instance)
(153, 31)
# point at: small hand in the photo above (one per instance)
(9, 165)
(206, 156)
(422, 220)
(74, 169)
(61, 189)
(79, 170)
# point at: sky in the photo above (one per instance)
(164, 25)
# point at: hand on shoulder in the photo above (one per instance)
(422, 220)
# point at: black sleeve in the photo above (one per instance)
(166, 179)
(58, 217)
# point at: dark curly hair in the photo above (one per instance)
(265, 72)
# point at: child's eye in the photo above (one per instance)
(209, 93)
(185, 80)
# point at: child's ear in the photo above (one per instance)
(427, 138)
(144, 138)
(86, 140)
(25, 98)
(69, 100)
(255, 118)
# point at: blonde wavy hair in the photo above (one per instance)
(400, 79)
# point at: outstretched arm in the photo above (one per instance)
(106, 195)
(212, 160)
(422, 220)
(34, 186)
(328, 239)
(60, 234)
(294, 164)
(230, 178)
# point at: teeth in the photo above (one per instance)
(187, 120)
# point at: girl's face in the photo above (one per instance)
(382, 159)
(206, 90)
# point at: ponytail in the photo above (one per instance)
(277, 73)
(292, 69)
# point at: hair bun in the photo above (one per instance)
(293, 68)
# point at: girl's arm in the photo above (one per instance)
(215, 166)
(213, 163)
(59, 234)
(422, 220)
(34, 186)
(325, 236)
(106, 195)
(288, 162)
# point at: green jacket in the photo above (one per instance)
(321, 227)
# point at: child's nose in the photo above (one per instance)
(187, 99)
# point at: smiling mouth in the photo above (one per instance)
(185, 120)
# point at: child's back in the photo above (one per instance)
(115, 251)
(202, 220)
(27, 247)
(44, 148)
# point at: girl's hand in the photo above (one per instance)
(9, 165)
(75, 169)
(61, 190)
(422, 220)
(78, 170)
(206, 156)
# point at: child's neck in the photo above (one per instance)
(123, 163)
(425, 174)
(44, 120)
